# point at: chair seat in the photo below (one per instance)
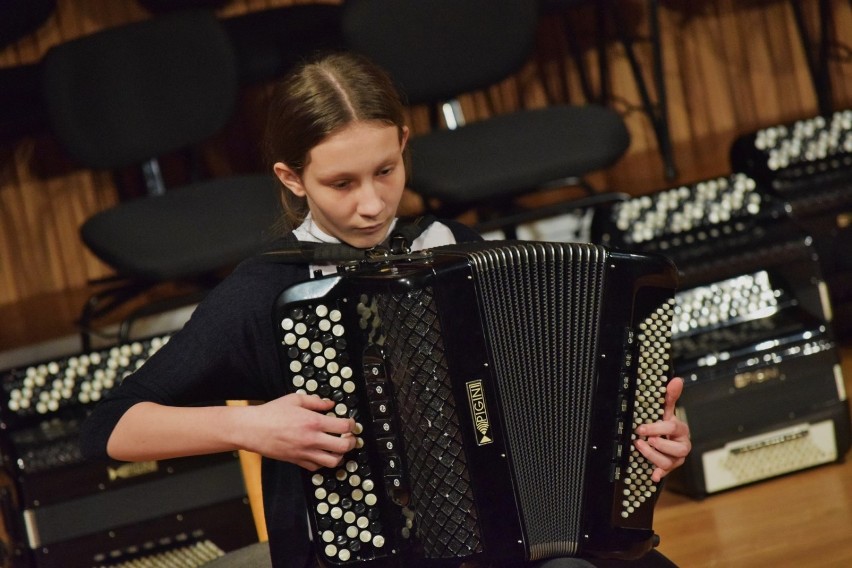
(506, 155)
(187, 231)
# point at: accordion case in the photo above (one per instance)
(496, 388)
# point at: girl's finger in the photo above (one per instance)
(673, 391)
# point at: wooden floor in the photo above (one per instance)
(802, 520)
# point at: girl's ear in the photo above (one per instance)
(404, 140)
(289, 178)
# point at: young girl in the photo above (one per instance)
(337, 142)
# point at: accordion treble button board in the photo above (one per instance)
(646, 357)
(43, 389)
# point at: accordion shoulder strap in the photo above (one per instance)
(399, 242)
(406, 231)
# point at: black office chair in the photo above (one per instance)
(611, 14)
(158, 7)
(269, 42)
(441, 49)
(19, 18)
(128, 95)
(21, 109)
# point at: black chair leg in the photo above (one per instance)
(159, 307)
(105, 301)
(817, 59)
(657, 112)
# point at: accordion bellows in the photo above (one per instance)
(496, 387)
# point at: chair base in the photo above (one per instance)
(506, 214)
(105, 305)
(509, 224)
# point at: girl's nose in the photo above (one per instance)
(370, 202)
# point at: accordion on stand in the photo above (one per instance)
(496, 388)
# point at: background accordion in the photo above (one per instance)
(753, 332)
(807, 164)
(59, 510)
(496, 389)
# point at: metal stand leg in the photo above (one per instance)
(817, 58)
(606, 11)
(657, 112)
(564, 16)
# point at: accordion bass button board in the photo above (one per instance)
(496, 389)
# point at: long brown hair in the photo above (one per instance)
(317, 99)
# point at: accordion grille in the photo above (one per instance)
(440, 487)
(544, 347)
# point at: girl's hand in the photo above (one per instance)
(667, 441)
(295, 428)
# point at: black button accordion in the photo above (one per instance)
(496, 388)
(58, 510)
(764, 392)
(808, 164)
(808, 161)
(702, 227)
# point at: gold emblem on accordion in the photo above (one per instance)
(748, 378)
(129, 470)
(479, 412)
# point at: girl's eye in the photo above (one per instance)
(385, 171)
(343, 184)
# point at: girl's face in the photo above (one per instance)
(353, 182)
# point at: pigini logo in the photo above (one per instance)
(479, 412)
(128, 470)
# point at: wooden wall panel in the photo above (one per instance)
(730, 66)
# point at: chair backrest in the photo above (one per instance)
(127, 94)
(438, 49)
(19, 18)
(165, 6)
(269, 42)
